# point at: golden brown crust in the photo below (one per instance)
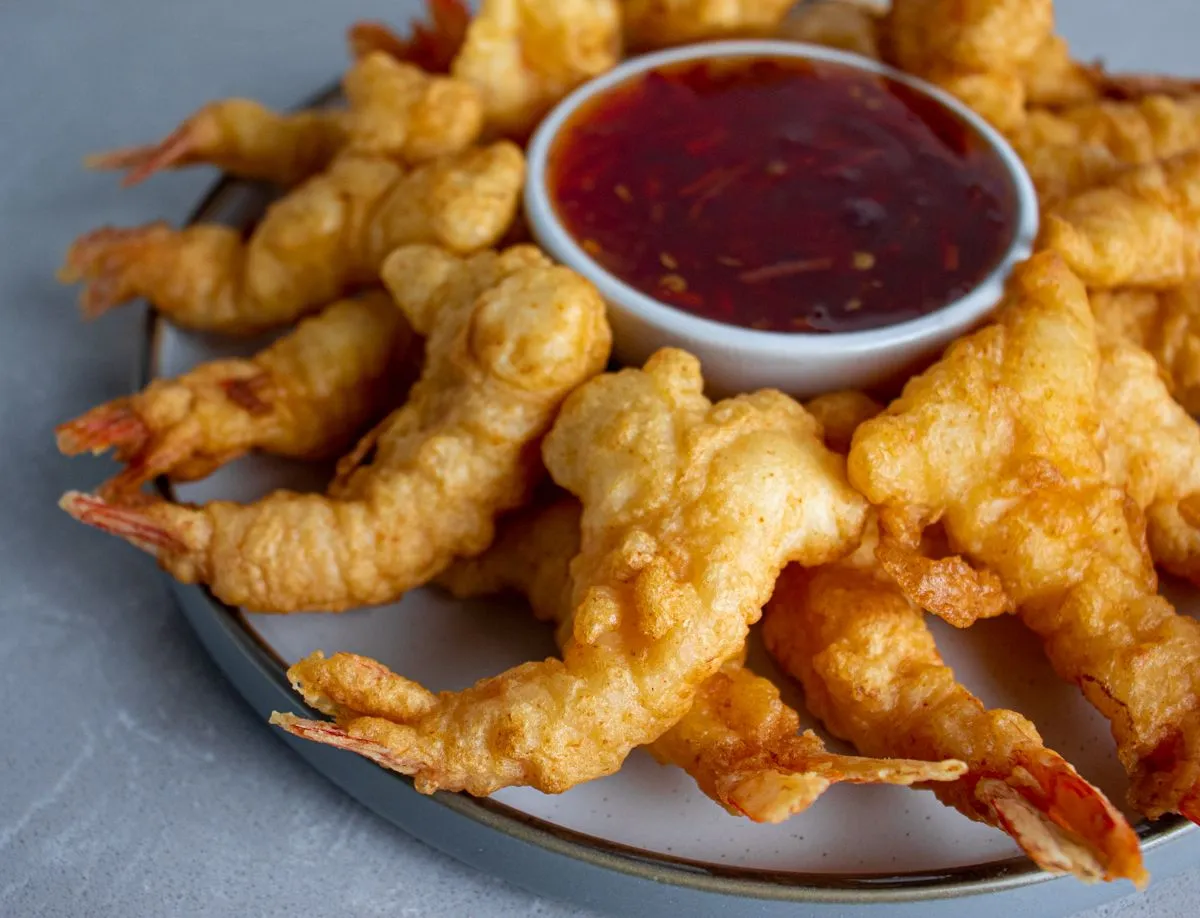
(1143, 228)
(690, 511)
(1000, 442)
(507, 336)
(526, 55)
(661, 23)
(328, 234)
(1166, 323)
(1152, 450)
(872, 673)
(308, 396)
(739, 741)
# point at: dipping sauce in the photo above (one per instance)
(783, 194)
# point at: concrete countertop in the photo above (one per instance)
(135, 782)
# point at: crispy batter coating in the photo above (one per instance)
(998, 96)
(1000, 442)
(975, 49)
(1152, 450)
(309, 396)
(507, 336)
(430, 45)
(967, 35)
(690, 511)
(739, 741)
(241, 137)
(660, 23)
(872, 673)
(1053, 78)
(525, 55)
(1069, 150)
(1142, 229)
(842, 24)
(1167, 324)
(840, 414)
(401, 112)
(331, 233)
(395, 110)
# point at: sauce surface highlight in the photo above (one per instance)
(783, 194)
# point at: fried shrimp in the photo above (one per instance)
(308, 396)
(1054, 79)
(1000, 442)
(739, 741)
(1084, 145)
(1167, 324)
(431, 45)
(690, 510)
(660, 23)
(974, 49)
(525, 55)
(241, 137)
(1152, 450)
(395, 110)
(1142, 229)
(841, 24)
(507, 336)
(970, 36)
(329, 234)
(872, 673)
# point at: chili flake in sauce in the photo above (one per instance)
(783, 194)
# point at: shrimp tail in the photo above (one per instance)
(141, 162)
(113, 425)
(131, 523)
(1064, 823)
(102, 259)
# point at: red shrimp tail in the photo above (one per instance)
(131, 523)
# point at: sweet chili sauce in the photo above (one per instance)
(783, 194)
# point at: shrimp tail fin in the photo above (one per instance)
(1062, 822)
(113, 425)
(131, 523)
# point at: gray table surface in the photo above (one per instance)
(134, 781)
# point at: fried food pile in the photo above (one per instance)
(1046, 467)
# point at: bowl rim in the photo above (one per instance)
(233, 643)
(552, 235)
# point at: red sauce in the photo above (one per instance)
(783, 194)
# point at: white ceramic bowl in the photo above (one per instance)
(739, 359)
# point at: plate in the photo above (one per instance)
(644, 840)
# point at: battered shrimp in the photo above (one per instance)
(526, 55)
(1152, 450)
(241, 137)
(308, 396)
(1167, 324)
(507, 336)
(689, 512)
(1054, 79)
(975, 49)
(1000, 442)
(739, 741)
(395, 110)
(1141, 229)
(1084, 145)
(872, 673)
(659, 23)
(841, 24)
(431, 45)
(328, 235)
